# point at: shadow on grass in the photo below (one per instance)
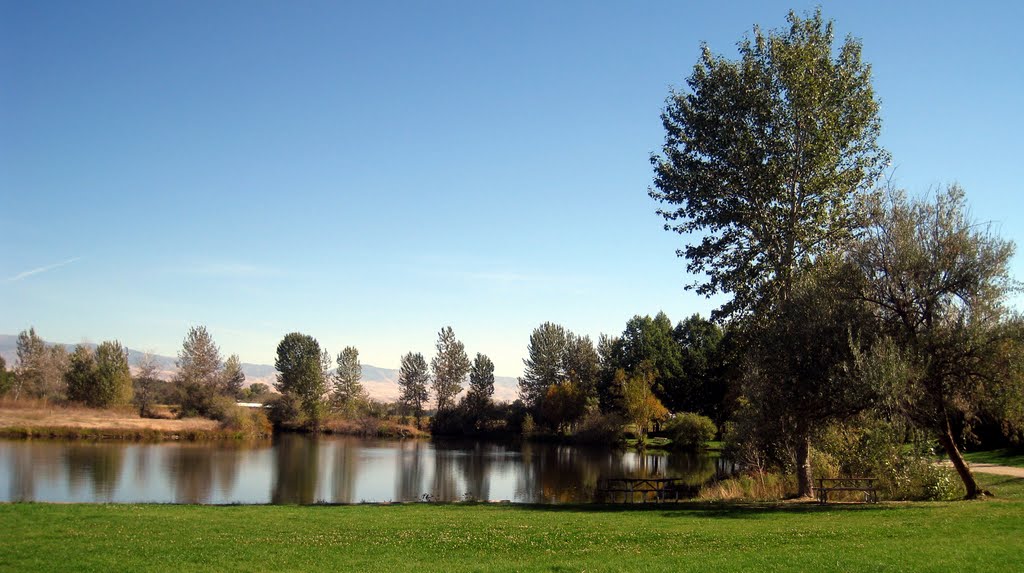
(736, 510)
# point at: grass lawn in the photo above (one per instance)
(953, 536)
(1004, 457)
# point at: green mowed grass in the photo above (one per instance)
(949, 536)
(1003, 457)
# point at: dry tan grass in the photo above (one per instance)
(29, 414)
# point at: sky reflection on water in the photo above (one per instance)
(300, 469)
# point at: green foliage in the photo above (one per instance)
(100, 378)
(146, 385)
(300, 366)
(528, 426)
(257, 392)
(232, 377)
(690, 431)
(81, 374)
(869, 446)
(600, 428)
(285, 411)
(939, 284)
(563, 405)
(450, 367)
(199, 370)
(40, 369)
(704, 363)
(6, 378)
(348, 394)
(764, 157)
(476, 404)
(412, 383)
(544, 364)
(640, 406)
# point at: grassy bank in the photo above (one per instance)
(954, 536)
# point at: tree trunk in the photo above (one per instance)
(946, 439)
(804, 480)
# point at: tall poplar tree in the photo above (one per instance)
(413, 377)
(347, 391)
(449, 368)
(763, 161)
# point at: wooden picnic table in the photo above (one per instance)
(863, 484)
(663, 489)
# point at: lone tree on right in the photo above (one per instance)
(764, 160)
(955, 351)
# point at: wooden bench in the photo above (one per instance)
(862, 484)
(662, 489)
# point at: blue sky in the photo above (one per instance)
(370, 172)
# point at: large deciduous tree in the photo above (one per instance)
(477, 401)
(40, 369)
(413, 377)
(300, 366)
(148, 369)
(99, 378)
(199, 367)
(449, 368)
(939, 282)
(544, 364)
(764, 160)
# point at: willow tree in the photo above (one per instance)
(940, 284)
(764, 158)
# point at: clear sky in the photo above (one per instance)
(370, 172)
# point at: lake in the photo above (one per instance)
(302, 469)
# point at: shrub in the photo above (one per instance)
(249, 422)
(690, 431)
(598, 428)
(284, 411)
(905, 469)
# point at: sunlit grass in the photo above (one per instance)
(1003, 457)
(947, 536)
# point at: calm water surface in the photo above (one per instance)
(301, 469)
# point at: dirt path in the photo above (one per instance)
(998, 470)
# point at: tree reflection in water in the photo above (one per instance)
(296, 469)
(97, 464)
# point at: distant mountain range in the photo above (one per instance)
(380, 383)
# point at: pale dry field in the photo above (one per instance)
(40, 415)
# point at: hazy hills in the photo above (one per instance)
(380, 383)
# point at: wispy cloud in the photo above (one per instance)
(36, 271)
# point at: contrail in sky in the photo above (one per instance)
(36, 271)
